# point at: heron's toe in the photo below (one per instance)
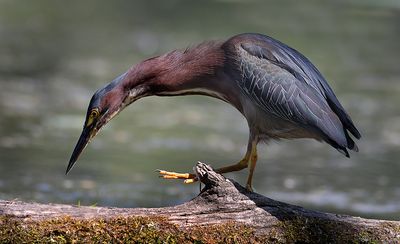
(189, 178)
(249, 188)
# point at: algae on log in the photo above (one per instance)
(224, 211)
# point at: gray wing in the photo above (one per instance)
(286, 84)
(300, 67)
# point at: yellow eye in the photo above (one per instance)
(92, 116)
(94, 113)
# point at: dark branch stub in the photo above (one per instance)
(208, 176)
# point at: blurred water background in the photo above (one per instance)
(55, 54)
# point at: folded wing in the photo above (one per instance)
(286, 84)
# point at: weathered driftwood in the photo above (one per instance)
(224, 201)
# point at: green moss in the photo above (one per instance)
(317, 231)
(136, 229)
(325, 231)
(120, 230)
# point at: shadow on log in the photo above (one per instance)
(224, 211)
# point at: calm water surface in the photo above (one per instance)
(53, 57)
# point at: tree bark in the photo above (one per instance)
(223, 201)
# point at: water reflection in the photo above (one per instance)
(54, 57)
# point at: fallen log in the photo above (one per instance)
(224, 211)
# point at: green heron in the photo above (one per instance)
(280, 92)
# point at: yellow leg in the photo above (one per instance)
(252, 166)
(191, 178)
(236, 167)
(251, 155)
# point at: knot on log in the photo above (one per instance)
(220, 192)
(208, 176)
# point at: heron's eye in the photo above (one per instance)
(92, 116)
(94, 113)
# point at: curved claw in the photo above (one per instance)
(189, 181)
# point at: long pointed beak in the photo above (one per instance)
(80, 146)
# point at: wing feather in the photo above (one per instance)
(279, 92)
(302, 69)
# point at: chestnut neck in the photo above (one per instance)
(194, 71)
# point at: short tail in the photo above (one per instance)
(347, 144)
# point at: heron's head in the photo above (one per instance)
(175, 73)
(105, 104)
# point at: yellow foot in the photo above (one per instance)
(249, 188)
(188, 178)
